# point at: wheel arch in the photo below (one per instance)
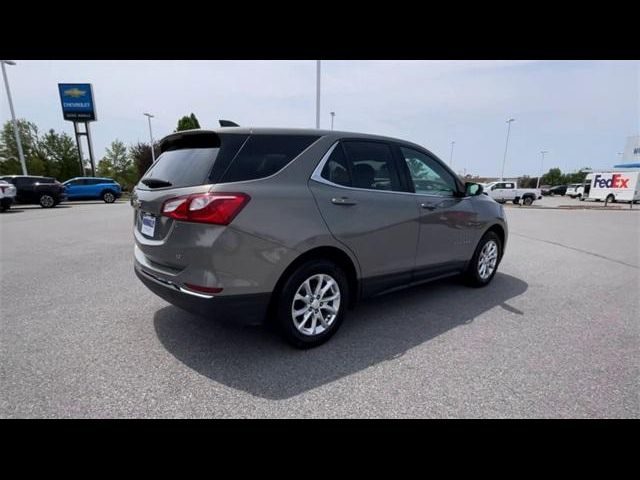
(498, 230)
(332, 253)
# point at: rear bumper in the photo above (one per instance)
(249, 309)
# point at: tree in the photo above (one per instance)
(52, 155)
(9, 158)
(188, 123)
(140, 154)
(60, 155)
(552, 177)
(118, 165)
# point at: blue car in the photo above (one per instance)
(90, 188)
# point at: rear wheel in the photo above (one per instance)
(311, 304)
(47, 201)
(484, 263)
(108, 197)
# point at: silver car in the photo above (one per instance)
(293, 226)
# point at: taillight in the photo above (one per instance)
(217, 208)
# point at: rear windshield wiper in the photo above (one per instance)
(155, 182)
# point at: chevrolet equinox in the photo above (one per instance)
(294, 226)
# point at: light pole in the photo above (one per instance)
(542, 153)
(333, 115)
(317, 93)
(504, 160)
(153, 153)
(451, 156)
(13, 115)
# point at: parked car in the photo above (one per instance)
(7, 195)
(292, 226)
(558, 190)
(45, 191)
(575, 190)
(508, 191)
(92, 188)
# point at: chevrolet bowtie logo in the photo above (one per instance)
(74, 92)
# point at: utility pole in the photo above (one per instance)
(317, 93)
(542, 153)
(13, 115)
(504, 160)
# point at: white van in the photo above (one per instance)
(613, 186)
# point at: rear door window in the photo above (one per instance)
(336, 169)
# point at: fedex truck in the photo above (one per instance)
(613, 186)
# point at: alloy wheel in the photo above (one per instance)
(316, 304)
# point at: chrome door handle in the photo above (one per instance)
(428, 206)
(342, 201)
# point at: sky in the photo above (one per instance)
(581, 112)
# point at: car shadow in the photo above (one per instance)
(257, 361)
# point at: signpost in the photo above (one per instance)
(78, 106)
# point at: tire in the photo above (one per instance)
(527, 201)
(108, 196)
(472, 275)
(47, 201)
(297, 330)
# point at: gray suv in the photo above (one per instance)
(294, 226)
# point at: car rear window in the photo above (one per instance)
(264, 155)
(183, 168)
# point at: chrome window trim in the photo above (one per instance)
(317, 176)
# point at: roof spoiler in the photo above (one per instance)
(195, 138)
(228, 123)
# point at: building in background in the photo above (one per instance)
(631, 153)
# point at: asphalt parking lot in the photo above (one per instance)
(557, 334)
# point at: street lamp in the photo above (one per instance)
(504, 160)
(333, 115)
(13, 115)
(153, 153)
(317, 93)
(542, 153)
(451, 156)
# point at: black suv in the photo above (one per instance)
(45, 191)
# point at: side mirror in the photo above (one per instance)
(473, 189)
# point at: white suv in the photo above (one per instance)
(575, 190)
(7, 195)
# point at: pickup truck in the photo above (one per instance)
(508, 191)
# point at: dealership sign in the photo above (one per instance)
(77, 102)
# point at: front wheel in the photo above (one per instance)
(311, 304)
(484, 263)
